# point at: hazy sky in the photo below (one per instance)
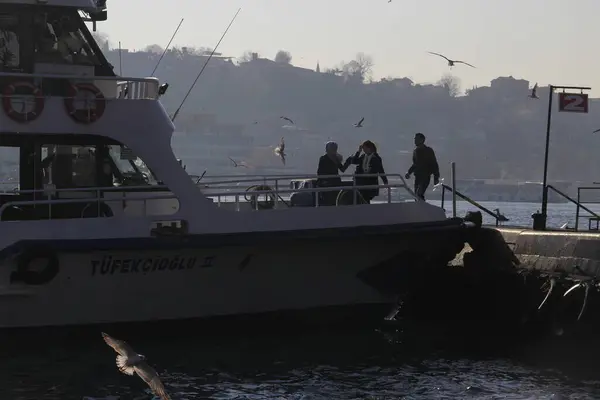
(539, 40)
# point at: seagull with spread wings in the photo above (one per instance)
(359, 123)
(451, 62)
(280, 150)
(287, 119)
(238, 164)
(129, 362)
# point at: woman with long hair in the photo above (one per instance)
(368, 163)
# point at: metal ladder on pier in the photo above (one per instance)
(455, 193)
(592, 217)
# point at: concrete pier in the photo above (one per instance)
(574, 255)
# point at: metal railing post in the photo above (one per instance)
(453, 180)
(443, 196)
(577, 209)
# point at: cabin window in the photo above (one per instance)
(132, 168)
(70, 166)
(10, 58)
(9, 172)
(60, 40)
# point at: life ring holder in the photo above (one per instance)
(86, 116)
(104, 212)
(26, 275)
(345, 197)
(253, 199)
(10, 91)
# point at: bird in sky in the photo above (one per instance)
(451, 62)
(129, 363)
(238, 164)
(359, 123)
(280, 150)
(287, 119)
(533, 94)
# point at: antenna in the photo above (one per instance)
(120, 61)
(166, 48)
(204, 66)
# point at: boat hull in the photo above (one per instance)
(183, 278)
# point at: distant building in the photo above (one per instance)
(318, 69)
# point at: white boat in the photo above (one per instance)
(92, 234)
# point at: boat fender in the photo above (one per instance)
(25, 274)
(22, 88)
(85, 115)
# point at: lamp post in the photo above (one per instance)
(568, 102)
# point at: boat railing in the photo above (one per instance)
(592, 216)
(112, 87)
(497, 217)
(275, 197)
(229, 184)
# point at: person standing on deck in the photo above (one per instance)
(424, 165)
(369, 163)
(329, 164)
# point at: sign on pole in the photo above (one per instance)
(573, 102)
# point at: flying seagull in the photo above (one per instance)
(359, 123)
(238, 164)
(596, 131)
(280, 151)
(533, 94)
(287, 119)
(129, 362)
(451, 62)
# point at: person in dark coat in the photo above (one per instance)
(330, 164)
(424, 165)
(369, 162)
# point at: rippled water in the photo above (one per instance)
(362, 364)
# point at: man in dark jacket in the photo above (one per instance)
(424, 165)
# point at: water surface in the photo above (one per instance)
(357, 364)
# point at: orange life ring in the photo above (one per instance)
(11, 90)
(85, 115)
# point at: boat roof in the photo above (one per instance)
(79, 4)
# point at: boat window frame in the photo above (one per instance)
(34, 142)
(28, 35)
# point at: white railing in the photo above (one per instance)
(112, 87)
(259, 185)
(228, 189)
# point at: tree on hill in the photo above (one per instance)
(283, 57)
(248, 56)
(451, 83)
(154, 48)
(361, 68)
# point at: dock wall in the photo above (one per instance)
(570, 254)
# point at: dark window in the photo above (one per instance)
(10, 47)
(70, 166)
(59, 39)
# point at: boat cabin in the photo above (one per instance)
(68, 167)
(38, 37)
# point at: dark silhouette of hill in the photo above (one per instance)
(492, 132)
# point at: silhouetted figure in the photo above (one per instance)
(424, 165)
(330, 164)
(368, 163)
